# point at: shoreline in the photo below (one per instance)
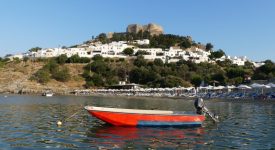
(243, 100)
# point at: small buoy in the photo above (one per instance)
(5, 96)
(59, 123)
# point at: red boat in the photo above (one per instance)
(138, 117)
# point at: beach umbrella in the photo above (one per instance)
(142, 89)
(242, 86)
(230, 87)
(260, 86)
(202, 87)
(256, 85)
(210, 87)
(271, 85)
(266, 86)
(218, 87)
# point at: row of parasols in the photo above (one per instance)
(241, 86)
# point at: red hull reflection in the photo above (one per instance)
(122, 137)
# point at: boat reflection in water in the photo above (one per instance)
(145, 137)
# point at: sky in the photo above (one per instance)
(239, 27)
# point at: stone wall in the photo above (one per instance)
(154, 29)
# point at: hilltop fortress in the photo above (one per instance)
(153, 29)
(105, 46)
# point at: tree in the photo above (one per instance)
(172, 81)
(236, 81)
(89, 84)
(97, 58)
(268, 67)
(208, 46)
(62, 59)
(158, 62)
(35, 49)
(140, 61)
(151, 77)
(128, 51)
(112, 80)
(220, 77)
(97, 80)
(235, 72)
(99, 67)
(141, 52)
(196, 80)
(183, 71)
(135, 75)
(225, 63)
(6, 60)
(102, 37)
(25, 59)
(74, 59)
(217, 54)
(186, 44)
(249, 65)
(122, 73)
(266, 71)
(16, 60)
(84, 60)
(51, 66)
(42, 76)
(62, 75)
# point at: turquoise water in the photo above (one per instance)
(29, 122)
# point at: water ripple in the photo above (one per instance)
(29, 122)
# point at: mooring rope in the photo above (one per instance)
(60, 122)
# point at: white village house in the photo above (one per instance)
(115, 50)
(240, 61)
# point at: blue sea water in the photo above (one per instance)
(29, 122)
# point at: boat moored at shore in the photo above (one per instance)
(48, 93)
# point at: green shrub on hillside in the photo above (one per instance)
(62, 75)
(41, 76)
(128, 51)
(62, 59)
(51, 70)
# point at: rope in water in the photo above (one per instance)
(73, 115)
(59, 122)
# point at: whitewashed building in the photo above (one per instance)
(240, 61)
(142, 42)
(199, 56)
(258, 64)
(152, 53)
(114, 49)
(81, 52)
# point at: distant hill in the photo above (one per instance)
(15, 78)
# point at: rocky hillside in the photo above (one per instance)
(14, 78)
